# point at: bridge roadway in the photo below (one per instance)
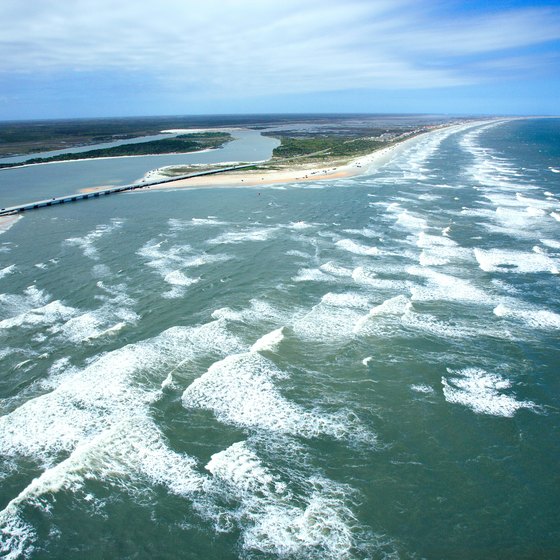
(113, 190)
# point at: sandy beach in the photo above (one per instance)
(291, 172)
(287, 171)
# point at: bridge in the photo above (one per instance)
(113, 190)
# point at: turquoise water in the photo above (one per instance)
(366, 368)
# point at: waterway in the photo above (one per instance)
(37, 182)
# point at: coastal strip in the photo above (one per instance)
(276, 172)
(245, 175)
(268, 172)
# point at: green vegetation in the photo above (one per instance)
(325, 147)
(28, 137)
(179, 144)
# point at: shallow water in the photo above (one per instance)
(364, 368)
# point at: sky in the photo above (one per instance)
(101, 58)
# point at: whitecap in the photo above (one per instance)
(313, 275)
(240, 390)
(482, 392)
(243, 235)
(552, 243)
(535, 318)
(87, 242)
(394, 306)
(447, 288)
(424, 389)
(47, 314)
(357, 248)
(335, 269)
(7, 270)
(501, 260)
(269, 342)
(314, 523)
(346, 299)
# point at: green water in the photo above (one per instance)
(366, 368)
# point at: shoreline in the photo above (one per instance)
(307, 172)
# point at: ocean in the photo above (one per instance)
(363, 368)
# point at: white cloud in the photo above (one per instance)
(236, 46)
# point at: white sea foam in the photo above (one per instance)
(108, 319)
(240, 390)
(47, 314)
(7, 270)
(104, 393)
(204, 259)
(240, 467)
(168, 263)
(357, 248)
(295, 253)
(447, 288)
(209, 221)
(96, 423)
(505, 287)
(429, 324)
(176, 224)
(501, 260)
(552, 243)
(243, 235)
(535, 318)
(269, 342)
(490, 169)
(315, 523)
(367, 277)
(323, 527)
(99, 418)
(331, 320)
(335, 269)
(313, 275)
(347, 299)
(424, 389)
(177, 278)
(410, 222)
(394, 306)
(365, 232)
(257, 311)
(87, 242)
(534, 203)
(16, 304)
(367, 360)
(429, 197)
(520, 222)
(412, 164)
(7, 222)
(126, 453)
(300, 225)
(439, 250)
(482, 392)
(426, 241)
